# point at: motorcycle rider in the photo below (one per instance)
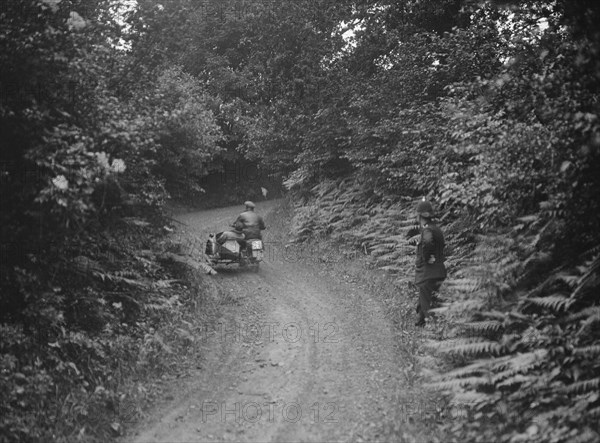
(250, 223)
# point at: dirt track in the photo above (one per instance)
(299, 355)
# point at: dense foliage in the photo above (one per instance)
(492, 112)
(488, 108)
(87, 158)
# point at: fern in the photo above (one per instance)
(482, 327)
(127, 274)
(466, 306)
(514, 380)
(471, 399)
(526, 325)
(588, 351)
(464, 284)
(557, 275)
(556, 302)
(477, 368)
(584, 386)
(453, 384)
(584, 313)
(592, 252)
(474, 349)
(589, 323)
(594, 413)
(496, 315)
(522, 377)
(590, 277)
(519, 364)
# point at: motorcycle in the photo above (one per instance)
(249, 253)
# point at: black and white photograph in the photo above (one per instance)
(299, 221)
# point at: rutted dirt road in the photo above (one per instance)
(299, 355)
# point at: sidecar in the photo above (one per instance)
(230, 252)
(227, 253)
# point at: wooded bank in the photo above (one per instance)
(360, 107)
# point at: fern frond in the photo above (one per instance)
(382, 248)
(583, 386)
(127, 274)
(478, 368)
(402, 221)
(587, 351)
(590, 277)
(499, 316)
(516, 379)
(520, 364)
(584, 313)
(390, 257)
(512, 362)
(450, 385)
(595, 250)
(557, 274)
(589, 323)
(129, 281)
(474, 349)
(482, 327)
(464, 284)
(470, 399)
(397, 239)
(554, 302)
(467, 305)
(569, 279)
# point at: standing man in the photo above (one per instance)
(430, 270)
(250, 223)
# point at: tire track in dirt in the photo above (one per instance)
(298, 356)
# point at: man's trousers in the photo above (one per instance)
(426, 290)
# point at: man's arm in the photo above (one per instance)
(261, 223)
(428, 246)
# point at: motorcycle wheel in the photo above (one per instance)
(256, 267)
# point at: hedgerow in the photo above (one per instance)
(506, 148)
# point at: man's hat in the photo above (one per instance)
(425, 209)
(249, 204)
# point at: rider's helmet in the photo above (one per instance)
(424, 209)
(249, 204)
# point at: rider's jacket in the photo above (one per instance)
(250, 223)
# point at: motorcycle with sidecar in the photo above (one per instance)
(244, 252)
